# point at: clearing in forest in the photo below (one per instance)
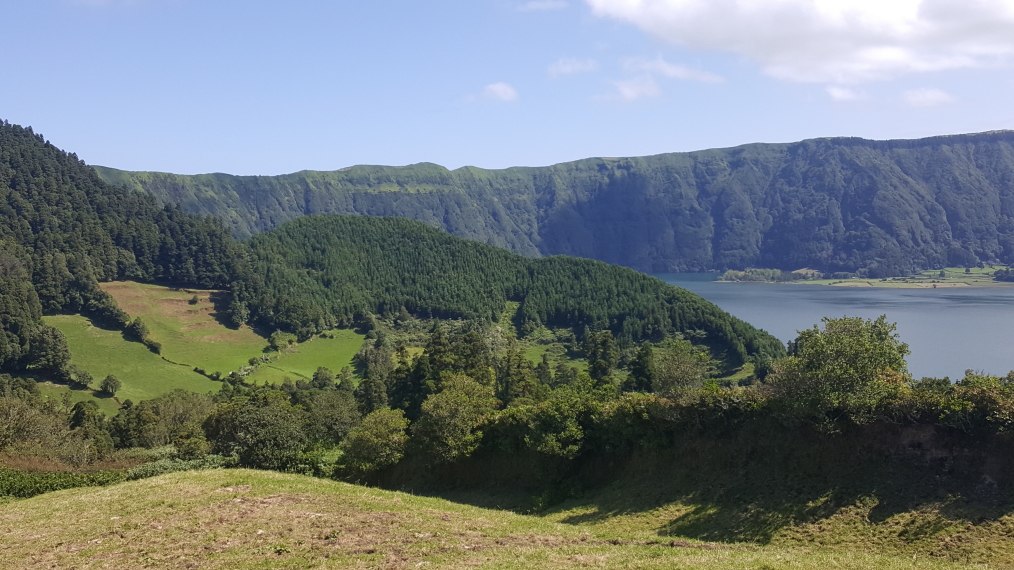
(187, 324)
(191, 334)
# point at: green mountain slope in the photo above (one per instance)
(835, 204)
(319, 272)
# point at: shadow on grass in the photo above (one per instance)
(752, 485)
(220, 303)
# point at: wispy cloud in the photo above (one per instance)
(838, 42)
(845, 94)
(500, 92)
(542, 5)
(927, 97)
(659, 66)
(637, 88)
(568, 66)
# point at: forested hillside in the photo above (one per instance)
(845, 204)
(319, 272)
(63, 230)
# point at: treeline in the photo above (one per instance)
(319, 272)
(472, 394)
(838, 205)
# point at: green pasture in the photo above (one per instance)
(56, 391)
(144, 375)
(953, 277)
(190, 334)
(303, 359)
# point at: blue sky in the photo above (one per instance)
(258, 87)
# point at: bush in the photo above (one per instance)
(448, 425)
(25, 484)
(378, 442)
(163, 466)
(110, 385)
(844, 372)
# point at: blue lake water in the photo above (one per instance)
(947, 330)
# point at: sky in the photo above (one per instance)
(262, 87)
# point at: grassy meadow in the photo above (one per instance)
(256, 519)
(190, 334)
(302, 360)
(108, 405)
(144, 375)
(191, 337)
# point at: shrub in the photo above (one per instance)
(110, 385)
(377, 442)
(448, 425)
(845, 371)
(174, 465)
(25, 484)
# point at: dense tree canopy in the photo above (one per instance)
(62, 230)
(322, 271)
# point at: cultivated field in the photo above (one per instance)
(255, 519)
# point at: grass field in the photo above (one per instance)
(303, 360)
(56, 391)
(144, 375)
(254, 519)
(190, 334)
(953, 277)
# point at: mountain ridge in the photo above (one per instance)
(845, 204)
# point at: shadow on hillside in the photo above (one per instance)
(220, 303)
(750, 485)
(732, 491)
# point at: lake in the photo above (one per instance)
(947, 330)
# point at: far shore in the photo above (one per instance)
(948, 278)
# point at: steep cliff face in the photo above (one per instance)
(835, 204)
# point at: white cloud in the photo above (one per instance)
(832, 41)
(637, 88)
(500, 92)
(542, 5)
(845, 94)
(661, 67)
(567, 66)
(926, 97)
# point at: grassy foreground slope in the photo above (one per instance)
(256, 519)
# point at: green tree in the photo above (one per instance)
(378, 442)
(448, 424)
(677, 366)
(323, 379)
(110, 385)
(602, 353)
(843, 371)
